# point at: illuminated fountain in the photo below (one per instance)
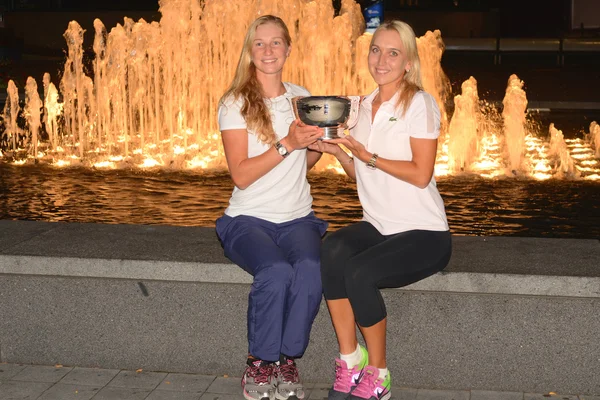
(465, 132)
(150, 96)
(594, 138)
(513, 114)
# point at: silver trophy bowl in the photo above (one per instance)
(332, 113)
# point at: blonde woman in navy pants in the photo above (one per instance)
(269, 228)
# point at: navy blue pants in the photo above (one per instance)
(286, 291)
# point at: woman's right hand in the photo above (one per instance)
(300, 135)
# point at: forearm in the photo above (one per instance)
(407, 171)
(416, 171)
(347, 163)
(312, 157)
(249, 170)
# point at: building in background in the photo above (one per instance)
(585, 15)
(37, 26)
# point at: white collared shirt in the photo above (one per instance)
(283, 193)
(390, 204)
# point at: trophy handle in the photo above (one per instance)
(354, 108)
(294, 101)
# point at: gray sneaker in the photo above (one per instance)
(258, 382)
(288, 381)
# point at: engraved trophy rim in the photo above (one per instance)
(334, 129)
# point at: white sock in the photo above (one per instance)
(353, 358)
(383, 373)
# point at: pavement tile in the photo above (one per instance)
(89, 376)
(307, 392)
(13, 390)
(494, 395)
(402, 393)
(223, 385)
(41, 373)
(186, 383)
(319, 392)
(308, 388)
(137, 380)
(120, 393)
(428, 394)
(167, 395)
(70, 392)
(546, 396)
(221, 396)
(7, 371)
(321, 385)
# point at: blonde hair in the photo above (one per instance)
(411, 82)
(246, 86)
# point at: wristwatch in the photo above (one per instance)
(281, 149)
(372, 161)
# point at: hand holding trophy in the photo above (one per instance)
(332, 113)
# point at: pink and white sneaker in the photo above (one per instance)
(346, 378)
(371, 386)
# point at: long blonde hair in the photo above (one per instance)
(411, 82)
(246, 86)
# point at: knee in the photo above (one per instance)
(309, 265)
(357, 277)
(274, 277)
(333, 250)
(308, 274)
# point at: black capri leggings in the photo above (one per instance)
(357, 261)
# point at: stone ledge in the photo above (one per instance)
(460, 282)
(502, 265)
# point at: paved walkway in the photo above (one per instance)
(65, 383)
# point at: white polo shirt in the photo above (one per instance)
(390, 204)
(282, 194)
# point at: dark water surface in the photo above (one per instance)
(475, 206)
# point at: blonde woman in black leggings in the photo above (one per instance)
(404, 235)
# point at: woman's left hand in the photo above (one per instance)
(357, 148)
(323, 146)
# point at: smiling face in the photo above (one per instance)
(269, 49)
(387, 59)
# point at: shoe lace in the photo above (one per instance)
(261, 374)
(289, 372)
(343, 376)
(367, 385)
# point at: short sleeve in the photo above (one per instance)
(304, 91)
(423, 117)
(295, 90)
(230, 116)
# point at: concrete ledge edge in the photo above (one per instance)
(458, 282)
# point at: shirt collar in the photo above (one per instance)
(389, 107)
(285, 96)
